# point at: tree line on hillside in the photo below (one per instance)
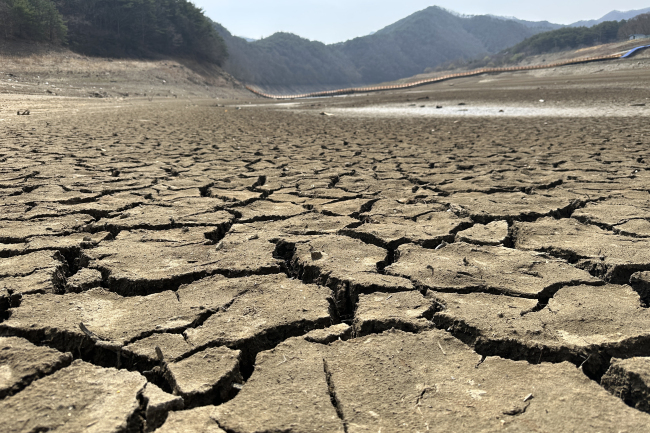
(566, 38)
(37, 20)
(402, 49)
(578, 37)
(639, 25)
(116, 27)
(285, 58)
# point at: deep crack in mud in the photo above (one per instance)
(188, 268)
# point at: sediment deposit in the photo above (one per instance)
(250, 266)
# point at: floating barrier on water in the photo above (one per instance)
(353, 90)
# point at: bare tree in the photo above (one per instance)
(639, 25)
(5, 18)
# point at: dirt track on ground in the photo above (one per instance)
(310, 267)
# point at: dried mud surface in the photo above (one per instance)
(179, 267)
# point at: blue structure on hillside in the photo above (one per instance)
(634, 51)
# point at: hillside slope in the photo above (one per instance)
(47, 70)
(428, 38)
(612, 16)
(422, 40)
(108, 28)
(543, 26)
(286, 59)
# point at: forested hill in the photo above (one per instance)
(426, 39)
(286, 59)
(612, 16)
(562, 39)
(569, 38)
(422, 40)
(572, 37)
(115, 28)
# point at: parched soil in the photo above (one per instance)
(182, 266)
(44, 70)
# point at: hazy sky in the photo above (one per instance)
(339, 20)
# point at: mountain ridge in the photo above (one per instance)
(421, 41)
(611, 16)
(407, 47)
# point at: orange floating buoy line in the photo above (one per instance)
(352, 90)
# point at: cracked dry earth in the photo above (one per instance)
(185, 269)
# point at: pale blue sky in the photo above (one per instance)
(339, 20)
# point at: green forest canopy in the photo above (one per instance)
(569, 38)
(115, 27)
(566, 38)
(639, 25)
(37, 20)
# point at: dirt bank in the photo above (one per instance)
(28, 69)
